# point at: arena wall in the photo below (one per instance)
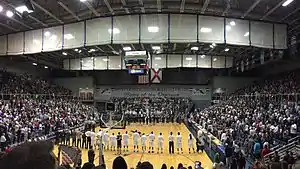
(231, 84)
(75, 83)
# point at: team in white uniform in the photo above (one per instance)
(191, 143)
(179, 143)
(143, 141)
(151, 142)
(126, 141)
(106, 140)
(160, 139)
(136, 137)
(113, 142)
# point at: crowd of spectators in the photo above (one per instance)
(152, 110)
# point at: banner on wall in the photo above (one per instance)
(107, 93)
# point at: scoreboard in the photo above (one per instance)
(136, 62)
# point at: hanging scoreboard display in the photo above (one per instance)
(136, 62)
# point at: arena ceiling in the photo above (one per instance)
(54, 12)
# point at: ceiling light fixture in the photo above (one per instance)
(195, 48)
(215, 59)
(47, 33)
(22, 9)
(114, 31)
(34, 64)
(205, 30)
(105, 60)
(202, 56)
(232, 23)
(153, 29)
(82, 0)
(1, 8)
(211, 46)
(9, 14)
(287, 2)
(188, 59)
(214, 44)
(91, 50)
(79, 51)
(156, 47)
(46, 67)
(76, 50)
(68, 36)
(127, 48)
(246, 34)
(65, 53)
(157, 58)
(226, 50)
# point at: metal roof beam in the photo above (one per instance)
(19, 22)
(251, 8)
(205, 6)
(69, 10)
(124, 4)
(158, 2)
(133, 47)
(272, 10)
(91, 8)
(142, 3)
(296, 10)
(109, 7)
(227, 8)
(182, 6)
(46, 11)
(9, 27)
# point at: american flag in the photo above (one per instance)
(70, 155)
(143, 79)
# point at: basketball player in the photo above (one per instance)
(93, 139)
(160, 139)
(171, 143)
(151, 142)
(136, 137)
(143, 140)
(119, 144)
(179, 143)
(106, 140)
(113, 142)
(126, 141)
(191, 143)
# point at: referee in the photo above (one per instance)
(119, 143)
(171, 143)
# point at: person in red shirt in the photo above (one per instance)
(8, 149)
(265, 150)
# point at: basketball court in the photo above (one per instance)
(155, 159)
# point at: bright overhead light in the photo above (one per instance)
(202, 56)
(232, 23)
(79, 51)
(9, 14)
(47, 33)
(189, 59)
(105, 60)
(34, 64)
(214, 44)
(226, 50)
(91, 50)
(76, 50)
(82, 0)
(195, 48)
(215, 59)
(156, 47)
(65, 53)
(287, 2)
(22, 9)
(153, 29)
(114, 31)
(127, 48)
(211, 46)
(1, 8)
(53, 37)
(68, 36)
(157, 58)
(46, 67)
(205, 30)
(228, 27)
(246, 34)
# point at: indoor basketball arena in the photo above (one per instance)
(149, 84)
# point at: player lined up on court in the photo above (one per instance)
(151, 142)
(126, 141)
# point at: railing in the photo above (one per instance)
(5, 96)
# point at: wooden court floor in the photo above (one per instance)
(155, 159)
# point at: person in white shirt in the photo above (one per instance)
(294, 129)
(151, 142)
(179, 143)
(113, 142)
(93, 139)
(106, 140)
(160, 139)
(191, 143)
(2, 142)
(136, 137)
(126, 141)
(171, 143)
(143, 140)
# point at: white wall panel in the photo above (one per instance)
(87, 63)
(183, 28)
(129, 29)
(100, 63)
(280, 36)
(114, 62)
(75, 64)
(33, 41)
(174, 61)
(98, 31)
(229, 62)
(3, 45)
(189, 60)
(204, 61)
(52, 38)
(218, 62)
(73, 35)
(67, 64)
(159, 61)
(154, 28)
(261, 34)
(211, 29)
(15, 43)
(237, 32)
